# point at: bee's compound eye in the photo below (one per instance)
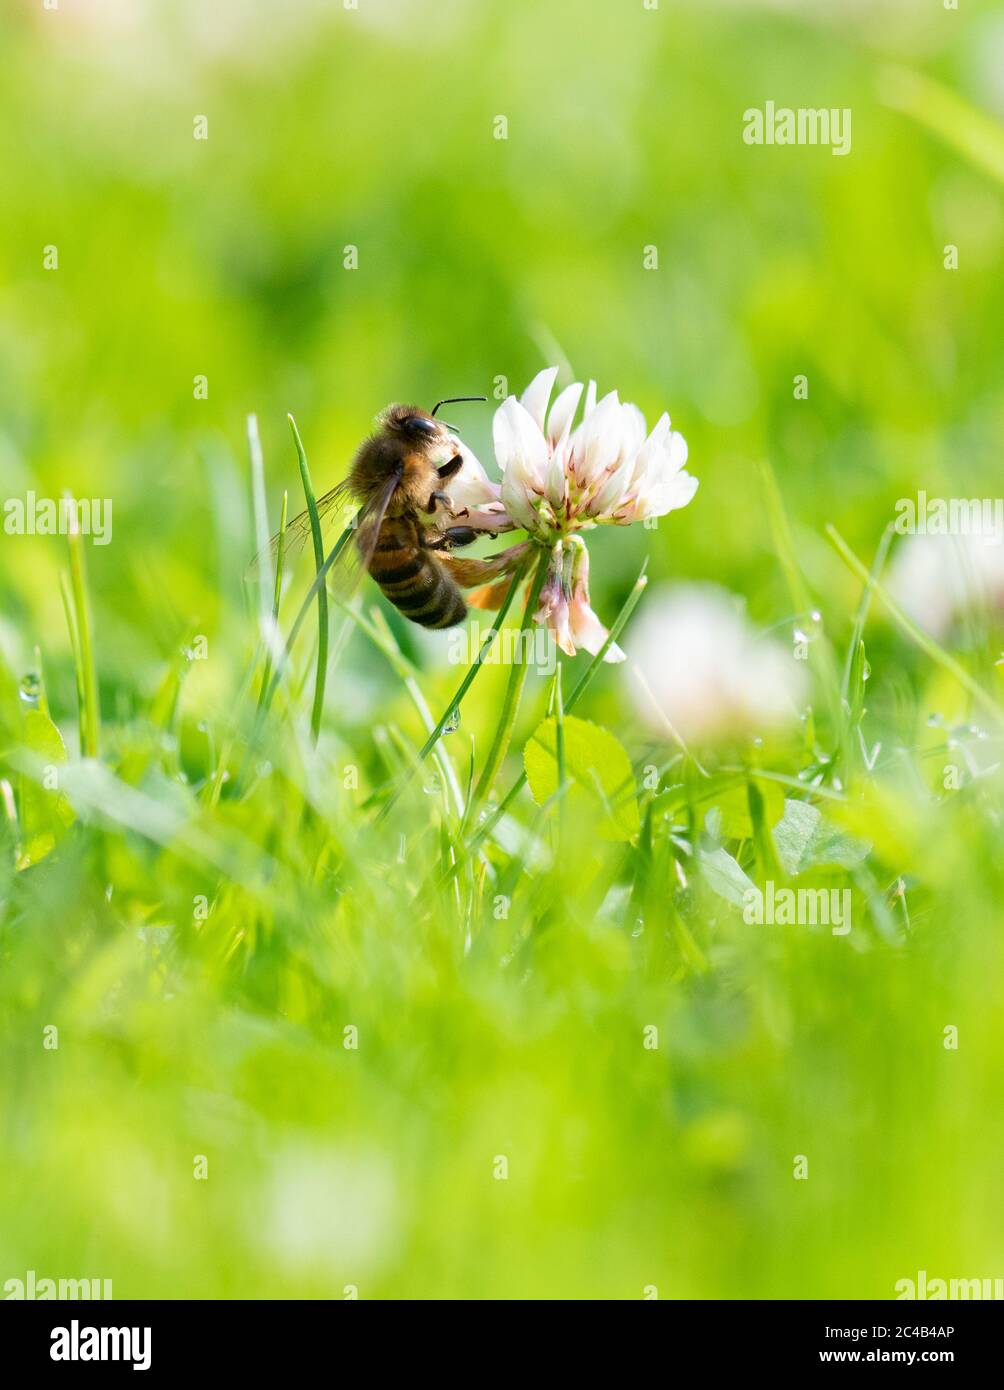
(419, 425)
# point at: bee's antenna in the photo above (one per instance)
(453, 400)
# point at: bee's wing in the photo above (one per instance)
(348, 568)
(370, 520)
(356, 545)
(335, 506)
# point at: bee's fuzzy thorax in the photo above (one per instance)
(388, 454)
(393, 415)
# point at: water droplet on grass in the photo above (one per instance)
(453, 723)
(31, 689)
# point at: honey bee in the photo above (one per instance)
(400, 474)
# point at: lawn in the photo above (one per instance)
(298, 1000)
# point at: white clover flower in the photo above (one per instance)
(564, 602)
(558, 481)
(471, 488)
(700, 670)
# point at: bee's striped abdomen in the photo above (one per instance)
(412, 580)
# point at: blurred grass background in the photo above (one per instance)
(480, 258)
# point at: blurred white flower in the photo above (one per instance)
(558, 481)
(700, 670)
(330, 1209)
(938, 579)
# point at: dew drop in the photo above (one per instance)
(453, 723)
(31, 689)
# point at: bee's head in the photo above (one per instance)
(411, 423)
(419, 426)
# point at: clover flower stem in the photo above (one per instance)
(514, 691)
(616, 628)
(559, 744)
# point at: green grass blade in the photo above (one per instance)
(322, 592)
(273, 626)
(465, 684)
(950, 117)
(260, 510)
(784, 543)
(514, 692)
(861, 616)
(926, 643)
(319, 581)
(379, 633)
(80, 636)
(478, 662)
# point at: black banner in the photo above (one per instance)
(166, 1339)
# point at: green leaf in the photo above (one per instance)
(598, 770)
(45, 812)
(41, 737)
(724, 876)
(805, 839)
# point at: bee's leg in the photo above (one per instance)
(487, 523)
(435, 498)
(468, 572)
(452, 538)
(451, 466)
